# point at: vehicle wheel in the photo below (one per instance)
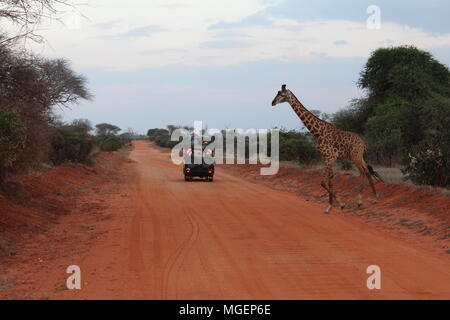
(186, 178)
(211, 179)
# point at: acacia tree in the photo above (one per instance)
(12, 139)
(30, 86)
(33, 86)
(106, 129)
(407, 100)
(82, 126)
(63, 85)
(405, 115)
(408, 92)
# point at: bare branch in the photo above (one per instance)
(28, 14)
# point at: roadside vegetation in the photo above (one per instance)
(161, 137)
(31, 88)
(404, 118)
(405, 114)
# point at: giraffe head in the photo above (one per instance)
(284, 95)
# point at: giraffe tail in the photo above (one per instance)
(374, 173)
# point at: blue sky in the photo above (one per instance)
(153, 63)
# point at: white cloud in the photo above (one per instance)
(285, 23)
(179, 32)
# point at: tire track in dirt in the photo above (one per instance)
(167, 279)
(136, 261)
(233, 239)
(175, 261)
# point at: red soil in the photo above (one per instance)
(32, 206)
(408, 209)
(138, 231)
(34, 202)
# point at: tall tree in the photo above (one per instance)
(407, 100)
(405, 72)
(408, 92)
(63, 85)
(82, 126)
(106, 129)
(32, 86)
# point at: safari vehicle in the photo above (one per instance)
(204, 170)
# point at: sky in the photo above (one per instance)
(159, 62)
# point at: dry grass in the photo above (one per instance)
(390, 175)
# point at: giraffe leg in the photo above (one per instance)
(369, 177)
(327, 185)
(360, 197)
(372, 186)
(364, 171)
(338, 200)
(330, 197)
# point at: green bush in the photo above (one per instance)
(387, 131)
(12, 138)
(165, 142)
(70, 145)
(162, 137)
(110, 144)
(353, 117)
(297, 146)
(429, 162)
(406, 102)
(154, 133)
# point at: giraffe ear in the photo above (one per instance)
(283, 87)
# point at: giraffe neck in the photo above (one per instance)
(311, 122)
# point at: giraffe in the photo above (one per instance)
(332, 144)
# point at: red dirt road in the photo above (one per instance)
(233, 239)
